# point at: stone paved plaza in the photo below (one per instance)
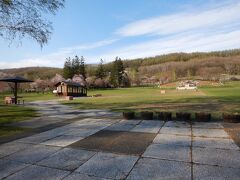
(172, 150)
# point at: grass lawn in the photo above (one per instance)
(28, 97)
(14, 113)
(207, 99)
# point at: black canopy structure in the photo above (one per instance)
(16, 80)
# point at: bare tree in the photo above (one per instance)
(20, 18)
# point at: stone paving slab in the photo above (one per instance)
(120, 127)
(135, 122)
(171, 139)
(12, 147)
(33, 154)
(168, 152)
(180, 124)
(176, 131)
(207, 125)
(62, 141)
(67, 159)
(80, 132)
(220, 143)
(75, 176)
(36, 122)
(108, 165)
(212, 133)
(219, 157)
(38, 173)
(38, 138)
(117, 141)
(215, 172)
(148, 126)
(9, 167)
(153, 169)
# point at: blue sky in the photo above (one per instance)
(129, 29)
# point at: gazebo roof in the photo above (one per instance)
(69, 83)
(16, 79)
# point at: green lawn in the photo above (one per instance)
(28, 97)
(207, 99)
(14, 113)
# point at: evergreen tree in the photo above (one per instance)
(67, 69)
(117, 72)
(100, 72)
(82, 67)
(76, 65)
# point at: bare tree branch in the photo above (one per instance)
(21, 18)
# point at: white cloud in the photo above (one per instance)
(181, 22)
(180, 43)
(55, 59)
(209, 30)
(91, 45)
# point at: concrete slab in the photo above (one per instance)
(220, 143)
(38, 173)
(206, 125)
(75, 176)
(135, 122)
(211, 133)
(172, 139)
(9, 167)
(120, 127)
(215, 172)
(117, 141)
(12, 147)
(153, 169)
(80, 132)
(62, 141)
(33, 154)
(108, 165)
(38, 138)
(168, 152)
(176, 131)
(148, 126)
(180, 124)
(67, 159)
(219, 157)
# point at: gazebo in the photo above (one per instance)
(15, 80)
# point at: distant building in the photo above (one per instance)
(68, 88)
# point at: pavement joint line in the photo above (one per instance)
(133, 167)
(191, 151)
(204, 147)
(28, 165)
(85, 174)
(196, 163)
(160, 129)
(165, 159)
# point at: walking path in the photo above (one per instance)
(173, 150)
(52, 112)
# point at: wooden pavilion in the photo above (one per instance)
(67, 88)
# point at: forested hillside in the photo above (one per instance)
(151, 70)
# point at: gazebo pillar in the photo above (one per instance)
(15, 92)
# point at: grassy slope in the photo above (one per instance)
(208, 99)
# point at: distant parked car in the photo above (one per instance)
(188, 85)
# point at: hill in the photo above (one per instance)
(151, 70)
(33, 72)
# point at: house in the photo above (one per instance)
(68, 88)
(187, 85)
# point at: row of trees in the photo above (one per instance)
(74, 66)
(115, 76)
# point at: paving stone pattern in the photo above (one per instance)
(174, 150)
